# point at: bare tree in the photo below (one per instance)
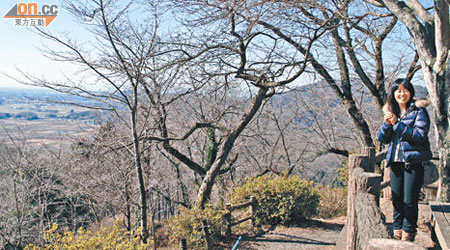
(429, 28)
(119, 59)
(225, 41)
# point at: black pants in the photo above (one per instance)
(405, 185)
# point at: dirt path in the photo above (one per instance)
(320, 235)
(323, 234)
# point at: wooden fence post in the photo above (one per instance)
(183, 244)
(368, 213)
(367, 182)
(206, 232)
(354, 161)
(253, 208)
(228, 219)
(370, 165)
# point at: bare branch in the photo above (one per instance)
(420, 11)
(413, 67)
(338, 151)
(182, 138)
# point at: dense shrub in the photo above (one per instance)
(187, 225)
(343, 171)
(281, 200)
(333, 201)
(107, 238)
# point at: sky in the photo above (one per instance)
(19, 46)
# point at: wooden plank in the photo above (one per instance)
(441, 223)
(391, 244)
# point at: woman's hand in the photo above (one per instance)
(393, 119)
(388, 117)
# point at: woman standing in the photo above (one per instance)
(405, 129)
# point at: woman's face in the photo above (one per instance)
(402, 95)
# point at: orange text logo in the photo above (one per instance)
(29, 14)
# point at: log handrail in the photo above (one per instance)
(380, 156)
(240, 206)
(241, 221)
(252, 203)
(385, 184)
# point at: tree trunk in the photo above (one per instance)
(444, 139)
(346, 95)
(208, 181)
(138, 166)
(128, 206)
(440, 83)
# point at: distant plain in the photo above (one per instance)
(52, 125)
(45, 132)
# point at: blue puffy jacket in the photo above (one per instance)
(413, 130)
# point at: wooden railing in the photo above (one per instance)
(252, 204)
(366, 227)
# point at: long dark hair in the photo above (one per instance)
(391, 103)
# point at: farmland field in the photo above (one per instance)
(51, 133)
(26, 118)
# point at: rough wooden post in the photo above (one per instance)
(370, 220)
(253, 208)
(367, 182)
(183, 244)
(367, 214)
(228, 219)
(370, 153)
(354, 162)
(206, 232)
